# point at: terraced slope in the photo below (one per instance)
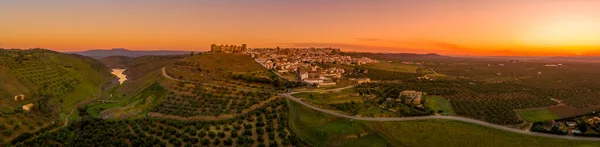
(48, 83)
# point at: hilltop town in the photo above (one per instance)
(304, 63)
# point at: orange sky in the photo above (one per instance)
(450, 27)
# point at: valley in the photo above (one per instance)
(194, 100)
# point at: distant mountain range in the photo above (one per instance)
(398, 56)
(101, 53)
(594, 59)
(118, 62)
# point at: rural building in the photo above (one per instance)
(301, 75)
(553, 65)
(363, 80)
(412, 95)
(594, 120)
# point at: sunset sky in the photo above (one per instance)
(449, 27)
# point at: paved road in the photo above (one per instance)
(456, 118)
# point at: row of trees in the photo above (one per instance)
(376, 74)
(262, 127)
(492, 102)
(201, 100)
(274, 80)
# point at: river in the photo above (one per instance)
(119, 73)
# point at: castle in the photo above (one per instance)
(227, 48)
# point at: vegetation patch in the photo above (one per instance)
(343, 96)
(319, 129)
(491, 102)
(266, 126)
(393, 66)
(53, 83)
(454, 133)
(439, 105)
(538, 115)
(207, 100)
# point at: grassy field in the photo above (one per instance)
(538, 115)
(438, 103)
(131, 106)
(454, 133)
(346, 95)
(320, 129)
(374, 111)
(395, 66)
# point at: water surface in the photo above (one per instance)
(119, 73)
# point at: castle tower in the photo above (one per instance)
(277, 49)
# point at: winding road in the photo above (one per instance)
(456, 118)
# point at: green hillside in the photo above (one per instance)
(216, 91)
(143, 88)
(53, 83)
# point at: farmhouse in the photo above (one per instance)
(412, 95)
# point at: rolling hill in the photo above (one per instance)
(40, 87)
(399, 56)
(101, 53)
(119, 62)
